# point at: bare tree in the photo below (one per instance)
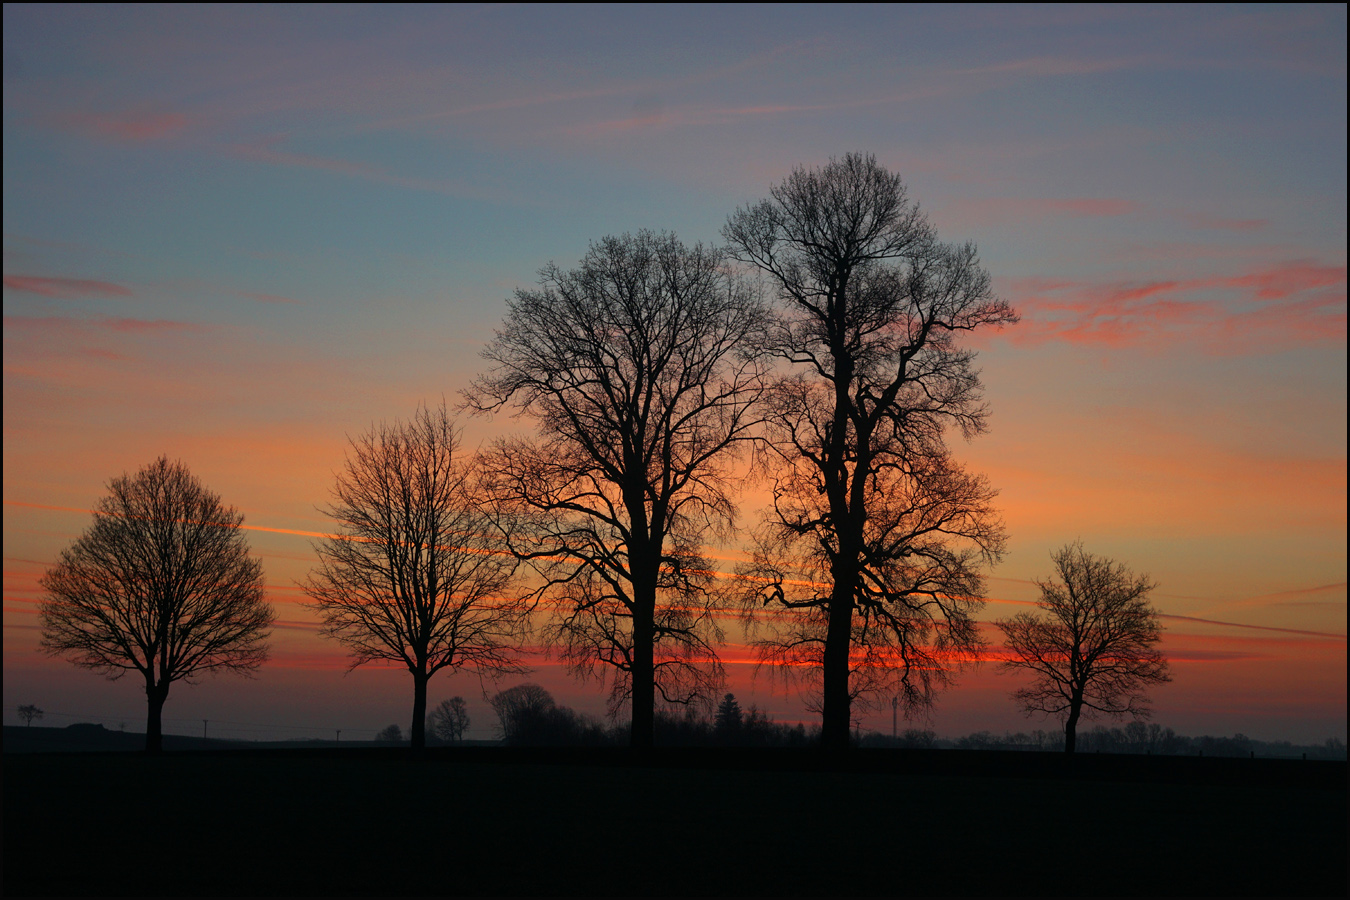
(29, 713)
(390, 734)
(1094, 652)
(637, 369)
(416, 574)
(449, 720)
(873, 547)
(161, 584)
(520, 707)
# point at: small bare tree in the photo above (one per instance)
(29, 713)
(161, 584)
(449, 720)
(1095, 650)
(416, 574)
(640, 370)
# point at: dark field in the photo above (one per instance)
(494, 821)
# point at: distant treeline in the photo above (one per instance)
(529, 716)
(1135, 737)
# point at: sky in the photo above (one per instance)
(237, 235)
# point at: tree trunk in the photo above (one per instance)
(643, 676)
(835, 700)
(835, 712)
(155, 695)
(418, 733)
(1071, 726)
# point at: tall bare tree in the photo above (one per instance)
(1095, 651)
(872, 550)
(162, 584)
(639, 373)
(416, 574)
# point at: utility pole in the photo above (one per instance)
(204, 721)
(895, 715)
(339, 735)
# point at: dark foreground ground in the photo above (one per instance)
(491, 821)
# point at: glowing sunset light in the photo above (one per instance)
(236, 236)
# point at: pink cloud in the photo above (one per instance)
(1219, 223)
(1051, 65)
(1291, 303)
(993, 210)
(1290, 278)
(1002, 209)
(146, 326)
(64, 287)
(128, 126)
(1089, 206)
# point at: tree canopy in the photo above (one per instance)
(1092, 649)
(416, 574)
(162, 584)
(873, 548)
(638, 369)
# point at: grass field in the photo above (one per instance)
(492, 822)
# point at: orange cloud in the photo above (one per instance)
(64, 287)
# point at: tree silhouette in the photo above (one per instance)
(728, 718)
(161, 584)
(1094, 652)
(416, 574)
(391, 734)
(29, 713)
(872, 550)
(449, 720)
(636, 368)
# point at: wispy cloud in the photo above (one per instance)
(1323, 634)
(65, 287)
(996, 210)
(1299, 302)
(65, 324)
(1000, 210)
(269, 150)
(1221, 223)
(270, 298)
(1048, 66)
(129, 126)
